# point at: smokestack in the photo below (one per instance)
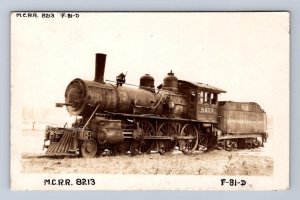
(100, 67)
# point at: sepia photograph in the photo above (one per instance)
(150, 101)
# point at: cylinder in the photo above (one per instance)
(100, 67)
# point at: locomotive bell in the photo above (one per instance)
(170, 82)
(147, 82)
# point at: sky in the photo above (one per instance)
(246, 54)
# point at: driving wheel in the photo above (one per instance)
(167, 145)
(189, 141)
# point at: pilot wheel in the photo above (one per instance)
(88, 148)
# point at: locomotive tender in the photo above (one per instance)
(178, 113)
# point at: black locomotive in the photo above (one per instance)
(177, 114)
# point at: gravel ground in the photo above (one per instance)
(255, 162)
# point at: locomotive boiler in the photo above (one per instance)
(115, 116)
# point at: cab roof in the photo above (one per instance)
(182, 83)
(202, 86)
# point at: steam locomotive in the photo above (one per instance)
(177, 114)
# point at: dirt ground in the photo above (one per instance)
(257, 162)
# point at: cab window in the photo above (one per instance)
(207, 98)
(214, 99)
(201, 97)
(193, 96)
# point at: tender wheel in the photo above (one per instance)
(148, 130)
(256, 143)
(88, 148)
(188, 146)
(166, 129)
(230, 145)
(248, 143)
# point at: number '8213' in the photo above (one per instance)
(48, 15)
(83, 181)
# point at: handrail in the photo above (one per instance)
(90, 118)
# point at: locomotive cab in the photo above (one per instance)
(202, 100)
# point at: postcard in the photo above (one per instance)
(150, 101)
